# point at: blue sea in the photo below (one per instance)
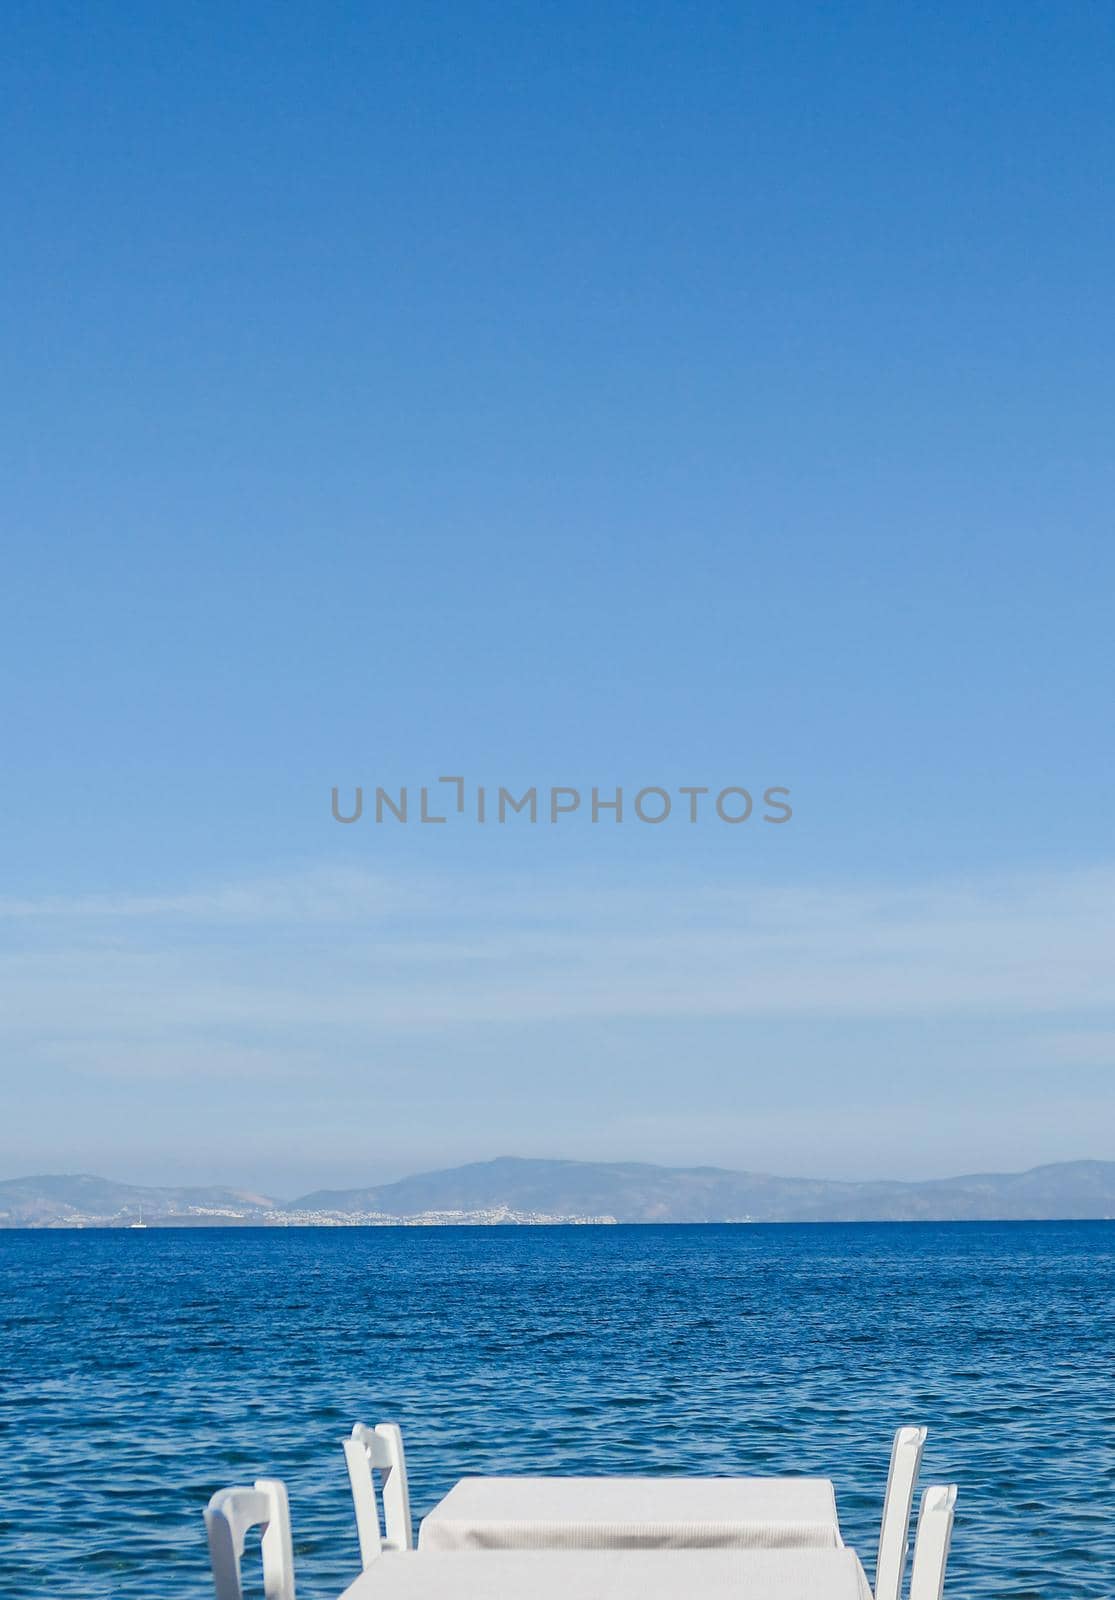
(143, 1370)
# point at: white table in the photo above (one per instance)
(614, 1575)
(634, 1514)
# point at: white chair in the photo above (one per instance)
(894, 1535)
(931, 1544)
(228, 1516)
(368, 1451)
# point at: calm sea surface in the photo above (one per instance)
(143, 1370)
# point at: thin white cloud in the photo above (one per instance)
(315, 895)
(1083, 1047)
(243, 969)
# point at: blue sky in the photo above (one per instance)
(556, 395)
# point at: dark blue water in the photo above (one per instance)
(143, 1370)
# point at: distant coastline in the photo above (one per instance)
(517, 1192)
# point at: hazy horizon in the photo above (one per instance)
(378, 1180)
(364, 1024)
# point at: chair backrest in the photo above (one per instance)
(894, 1535)
(368, 1451)
(931, 1544)
(229, 1515)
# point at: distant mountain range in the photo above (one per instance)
(510, 1190)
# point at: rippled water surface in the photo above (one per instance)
(143, 1370)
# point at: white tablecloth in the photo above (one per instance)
(634, 1514)
(614, 1575)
